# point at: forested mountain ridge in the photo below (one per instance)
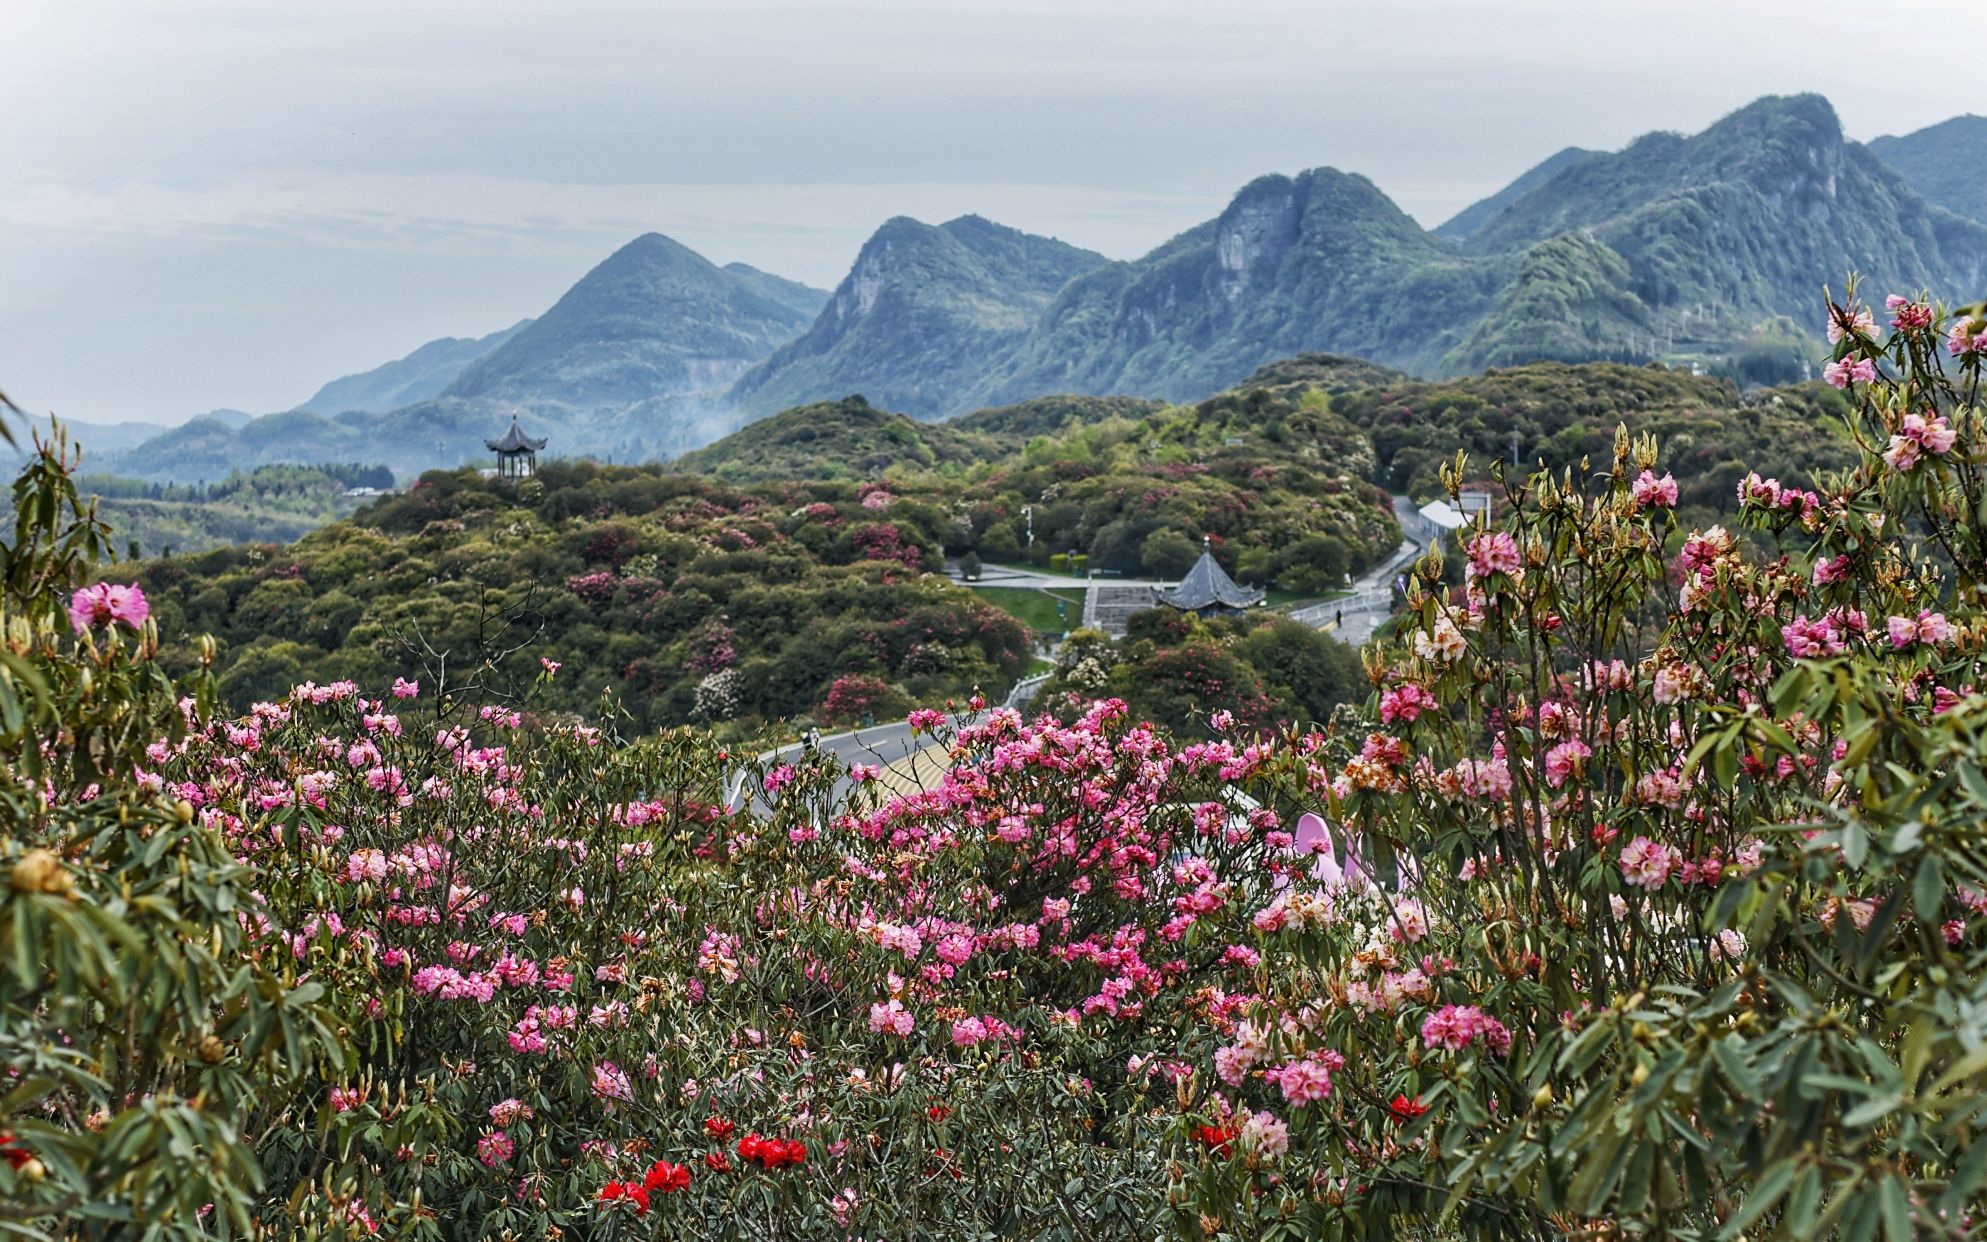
(1477, 214)
(1701, 251)
(654, 319)
(1747, 217)
(1947, 163)
(1704, 248)
(420, 376)
(922, 313)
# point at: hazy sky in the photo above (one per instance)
(227, 202)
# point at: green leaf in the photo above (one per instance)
(1896, 1210)
(1928, 889)
(1804, 1203)
(1762, 1199)
(1871, 1110)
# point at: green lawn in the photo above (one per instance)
(1036, 607)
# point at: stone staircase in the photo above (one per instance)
(1108, 607)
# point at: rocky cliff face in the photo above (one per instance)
(1254, 234)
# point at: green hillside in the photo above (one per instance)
(1710, 434)
(847, 439)
(267, 504)
(921, 315)
(1947, 163)
(688, 600)
(801, 550)
(654, 318)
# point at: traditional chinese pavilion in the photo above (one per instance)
(517, 453)
(1208, 590)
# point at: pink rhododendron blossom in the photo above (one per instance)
(1566, 761)
(890, 1018)
(1647, 864)
(1850, 371)
(108, 603)
(1456, 1027)
(1493, 552)
(494, 1148)
(1651, 491)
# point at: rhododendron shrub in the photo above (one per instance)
(562, 960)
(140, 1031)
(1671, 913)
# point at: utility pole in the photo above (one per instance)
(1028, 511)
(1514, 447)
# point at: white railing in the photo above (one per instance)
(1373, 599)
(1025, 689)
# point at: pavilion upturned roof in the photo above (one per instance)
(515, 441)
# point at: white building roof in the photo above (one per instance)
(1443, 514)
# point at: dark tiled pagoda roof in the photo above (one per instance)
(515, 441)
(1207, 586)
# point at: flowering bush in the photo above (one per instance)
(853, 698)
(1677, 922)
(1645, 895)
(144, 1036)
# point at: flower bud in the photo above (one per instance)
(41, 871)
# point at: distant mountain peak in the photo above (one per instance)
(653, 319)
(419, 376)
(922, 305)
(1946, 162)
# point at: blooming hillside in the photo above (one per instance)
(688, 601)
(1646, 894)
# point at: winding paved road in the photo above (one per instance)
(1372, 599)
(879, 745)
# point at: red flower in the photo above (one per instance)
(771, 1153)
(718, 1128)
(666, 1177)
(612, 1191)
(938, 1112)
(716, 1162)
(640, 1196)
(1218, 1139)
(1405, 1109)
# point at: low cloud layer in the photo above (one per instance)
(220, 202)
